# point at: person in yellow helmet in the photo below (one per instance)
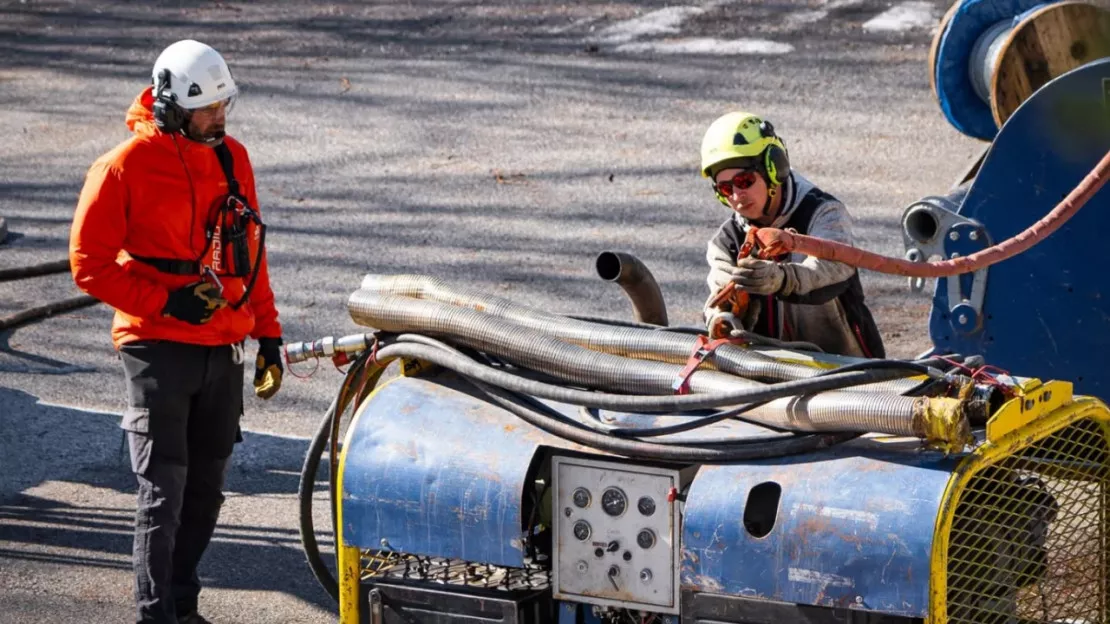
(794, 297)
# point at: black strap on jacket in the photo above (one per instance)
(227, 163)
(173, 266)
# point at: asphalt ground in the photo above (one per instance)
(499, 144)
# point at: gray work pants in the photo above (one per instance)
(182, 422)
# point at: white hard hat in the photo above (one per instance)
(199, 75)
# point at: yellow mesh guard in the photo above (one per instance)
(1027, 541)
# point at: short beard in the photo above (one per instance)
(211, 139)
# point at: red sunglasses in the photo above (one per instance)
(742, 181)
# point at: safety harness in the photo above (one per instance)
(228, 235)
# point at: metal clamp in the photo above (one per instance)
(966, 312)
(931, 228)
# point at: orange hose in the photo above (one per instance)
(776, 242)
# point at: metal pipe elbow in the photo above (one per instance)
(638, 283)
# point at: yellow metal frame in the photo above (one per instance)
(349, 564)
(1041, 410)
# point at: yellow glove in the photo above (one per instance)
(267, 368)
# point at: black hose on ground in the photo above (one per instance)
(45, 311)
(305, 489)
(307, 484)
(34, 270)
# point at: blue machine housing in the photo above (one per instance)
(432, 470)
(854, 528)
(1046, 311)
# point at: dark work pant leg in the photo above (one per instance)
(161, 487)
(213, 429)
(161, 379)
(200, 513)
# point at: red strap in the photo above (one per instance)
(701, 351)
(862, 342)
(374, 352)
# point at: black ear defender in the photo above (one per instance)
(168, 115)
(775, 160)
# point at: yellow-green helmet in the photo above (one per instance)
(739, 135)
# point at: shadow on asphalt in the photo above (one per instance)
(47, 446)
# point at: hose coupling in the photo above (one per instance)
(328, 347)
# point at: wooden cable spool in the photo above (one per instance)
(989, 56)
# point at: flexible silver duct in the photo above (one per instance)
(625, 341)
(828, 411)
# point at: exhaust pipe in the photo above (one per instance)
(638, 283)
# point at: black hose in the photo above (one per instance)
(692, 424)
(356, 373)
(641, 403)
(558, 425)
(34, 270)
(704, 421)
(45, 311)
(601, 320)
(305, 490)
(547, 419)
(471, 353)
(306, 485)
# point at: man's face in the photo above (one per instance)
(744, 189)
(206, 125)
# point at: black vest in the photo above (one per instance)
(849, 292)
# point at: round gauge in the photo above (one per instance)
(646, 539)
(581, 498)
(646, 505)
(613, 501)
(582, 530)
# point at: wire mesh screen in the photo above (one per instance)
(399, 566)
(1029, 536)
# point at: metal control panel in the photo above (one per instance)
(616, 534)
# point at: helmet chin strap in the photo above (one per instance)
(772, 192)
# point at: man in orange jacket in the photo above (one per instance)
(167, 231)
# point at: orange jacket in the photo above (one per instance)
(150, 196)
